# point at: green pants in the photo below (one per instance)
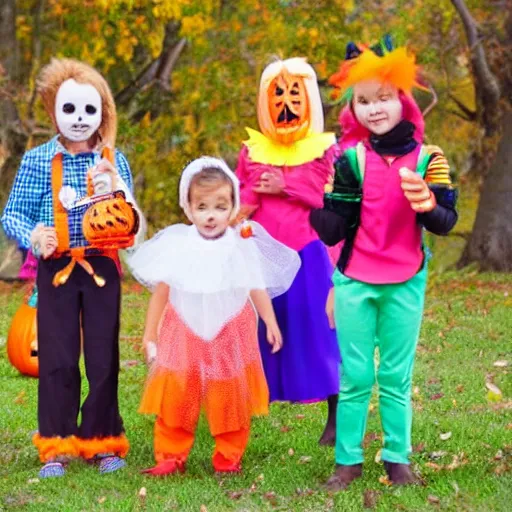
(388, 316)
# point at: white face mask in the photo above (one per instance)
(377, 106)
(77, 110)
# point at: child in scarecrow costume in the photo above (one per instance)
(201, 329)
(55, 209)
(388, 188)
(282, 174)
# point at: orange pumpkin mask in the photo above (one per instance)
(288, 107)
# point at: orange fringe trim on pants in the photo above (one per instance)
(51, 447)
(118, 445)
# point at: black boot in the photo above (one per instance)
(401, 474)
(343, 477)
(329, 435)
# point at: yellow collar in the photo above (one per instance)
(267, 151)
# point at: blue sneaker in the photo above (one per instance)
(111, 463)
(52, 470)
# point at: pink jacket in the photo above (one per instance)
(286, 217)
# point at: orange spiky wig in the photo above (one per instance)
(381, 62)
(54, 74)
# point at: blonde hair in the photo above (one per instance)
(54, 74)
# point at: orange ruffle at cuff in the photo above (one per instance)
(51, 447)
(118, 445)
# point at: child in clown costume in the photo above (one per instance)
(201, 328)
(282, 174)
(388, 188)
(52, 210)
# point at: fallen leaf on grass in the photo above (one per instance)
(509, 426)
(418, 448)
(438, 454)
(501, 469)
(433, 499)
(20, 398)
(494, 393)
(304, 492)
(203, 508)
(459, 388)
(305, 459)
(285, 428)
(271, 498)
(370, 498)
(235, 495)
(129, 363)
(369, 438)
(445, 436)
(501, 364)
(499, 455)
(33, 480)
(378, 456)
(102, 499)
(457, 461)
(300, 416)
(436, 396)
(384, 480)
(291, 452)
(142, 492)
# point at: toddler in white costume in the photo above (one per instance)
(208, 282)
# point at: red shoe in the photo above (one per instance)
(223, 465)
(166, 467)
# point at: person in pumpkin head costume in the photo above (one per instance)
(282, 174)
(54, 209)
(388, 187)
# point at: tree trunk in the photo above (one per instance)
(12, 135)
(13, 138)
(490, 243)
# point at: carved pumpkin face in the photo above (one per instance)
(22, 341)
(288, 107)
(111, 223)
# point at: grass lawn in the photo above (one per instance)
(462, 436)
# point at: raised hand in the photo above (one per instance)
(416, 191)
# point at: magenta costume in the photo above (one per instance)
(307, 367)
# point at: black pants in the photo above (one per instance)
(58, 327)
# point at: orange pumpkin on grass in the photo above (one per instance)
(22, 341)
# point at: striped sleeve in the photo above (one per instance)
(438, 169)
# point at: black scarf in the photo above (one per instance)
(397, 142)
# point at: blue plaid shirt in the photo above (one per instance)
(31, 201)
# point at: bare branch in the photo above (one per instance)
(145, 77)
(470, 114)
(168, 63)
(488, 82)
(158, 70)
(459, 114)
(433, 103)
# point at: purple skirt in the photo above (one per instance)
(307, 367)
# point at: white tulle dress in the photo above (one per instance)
(208, 352)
